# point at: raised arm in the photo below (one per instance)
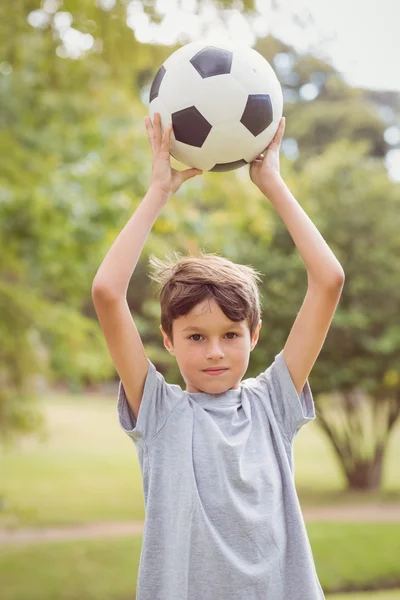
(325, 284)
(325, 273)
(109, 297)
(111, 282)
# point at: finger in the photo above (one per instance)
(189, 173)
(157, 131)
(149, 129)
(166, 140)
(279, 134)
(276, 140)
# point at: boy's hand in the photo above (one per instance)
(264, 170)
(163, 176)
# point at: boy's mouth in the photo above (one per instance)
(215, 370)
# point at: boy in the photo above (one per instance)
(223, 520)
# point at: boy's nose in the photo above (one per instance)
(214, 351)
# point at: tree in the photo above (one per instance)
(356, 380)
(60, 127)
(360, 212)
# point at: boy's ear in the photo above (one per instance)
(167, 343)
(255, 336)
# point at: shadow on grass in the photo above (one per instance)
(377, 586)
(309, 497)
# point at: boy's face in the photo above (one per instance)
(205, 338)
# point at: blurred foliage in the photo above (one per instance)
(76, 163)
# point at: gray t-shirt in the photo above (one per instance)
(223, 521)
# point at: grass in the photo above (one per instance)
(355, 554)
(104, 570)
(384, 595)
(107, 569)
(87, 470)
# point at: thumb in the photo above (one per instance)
(189, 173)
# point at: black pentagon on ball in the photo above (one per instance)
(190, 127)
(220, 167)
(212, 61)
(155, 86)
(258, 113)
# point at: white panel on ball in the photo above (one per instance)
(181, 88)
(192, 156)
(231, 96)
(257, 79)
(225, 139)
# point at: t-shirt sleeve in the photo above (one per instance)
(158, 402)
(290, 410)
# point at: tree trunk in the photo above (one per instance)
(359, 442)
(367, 475)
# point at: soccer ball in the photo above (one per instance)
(224, 101)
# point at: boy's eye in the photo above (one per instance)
(197, 335)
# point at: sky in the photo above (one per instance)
(360, 37)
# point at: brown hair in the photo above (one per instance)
(187, 281)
